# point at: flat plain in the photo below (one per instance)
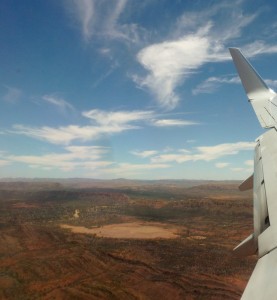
(86, 239)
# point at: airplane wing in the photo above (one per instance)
(262, 283)
(260, 96)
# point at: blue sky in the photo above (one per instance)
(130, 89)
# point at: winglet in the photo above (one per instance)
(256, 89)
(251, 80)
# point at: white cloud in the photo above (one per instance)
(213, 152)
(106, 123)
(145, 153)
(86, 157)
(191, 141)
(169, 63)
(12, 95)
(130, 170)
(118, 117)
(58, 102)
(199, 38)
(84, 12)
(257, 48)
(221, 165)
(106, 74)
(271, 83)
(66, 134)
(211, 84)
(249, 163)
(4, 162)
(238, 169)
(205, 153)
(102, 18)
(184, 151)
(173, 122)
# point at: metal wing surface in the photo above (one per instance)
(260, 96)
(262, 283)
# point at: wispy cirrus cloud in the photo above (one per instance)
(249, 163)
(4, 162)
(211, 84)
(238, 169)
(102, 18)
(105, 123)
(205, 153)
(144, 154)
(85, 157)
(246, 167)
(117, 117)
(12, 94)
(173, 122)
(67, 134)
(271, 83)
(222, 165)
(198, 38)
(60, 103)
(102, 123)
(84, 12)
(128, 170)
(258, 47)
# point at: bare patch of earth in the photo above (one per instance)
(196, 237)
(24, 205)
(134, 230)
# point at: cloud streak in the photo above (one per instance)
(144, 154)
(86, 157)
(204, 153)
(94, 158)
(222, 165)
(211, 84)
(4, 162)
(131, 170)
(60, 103)
(173, 123)
(12, 95)
(116, 118)
(102, 19)
(102, 123)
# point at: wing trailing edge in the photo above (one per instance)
(247, 184)
(246, 247)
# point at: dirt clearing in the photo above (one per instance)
(134, 230)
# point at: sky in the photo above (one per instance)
(145, 89)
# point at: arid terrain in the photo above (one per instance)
(85, 239)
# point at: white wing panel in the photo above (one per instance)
(265, 115)
(268, 148)
(262, 283)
